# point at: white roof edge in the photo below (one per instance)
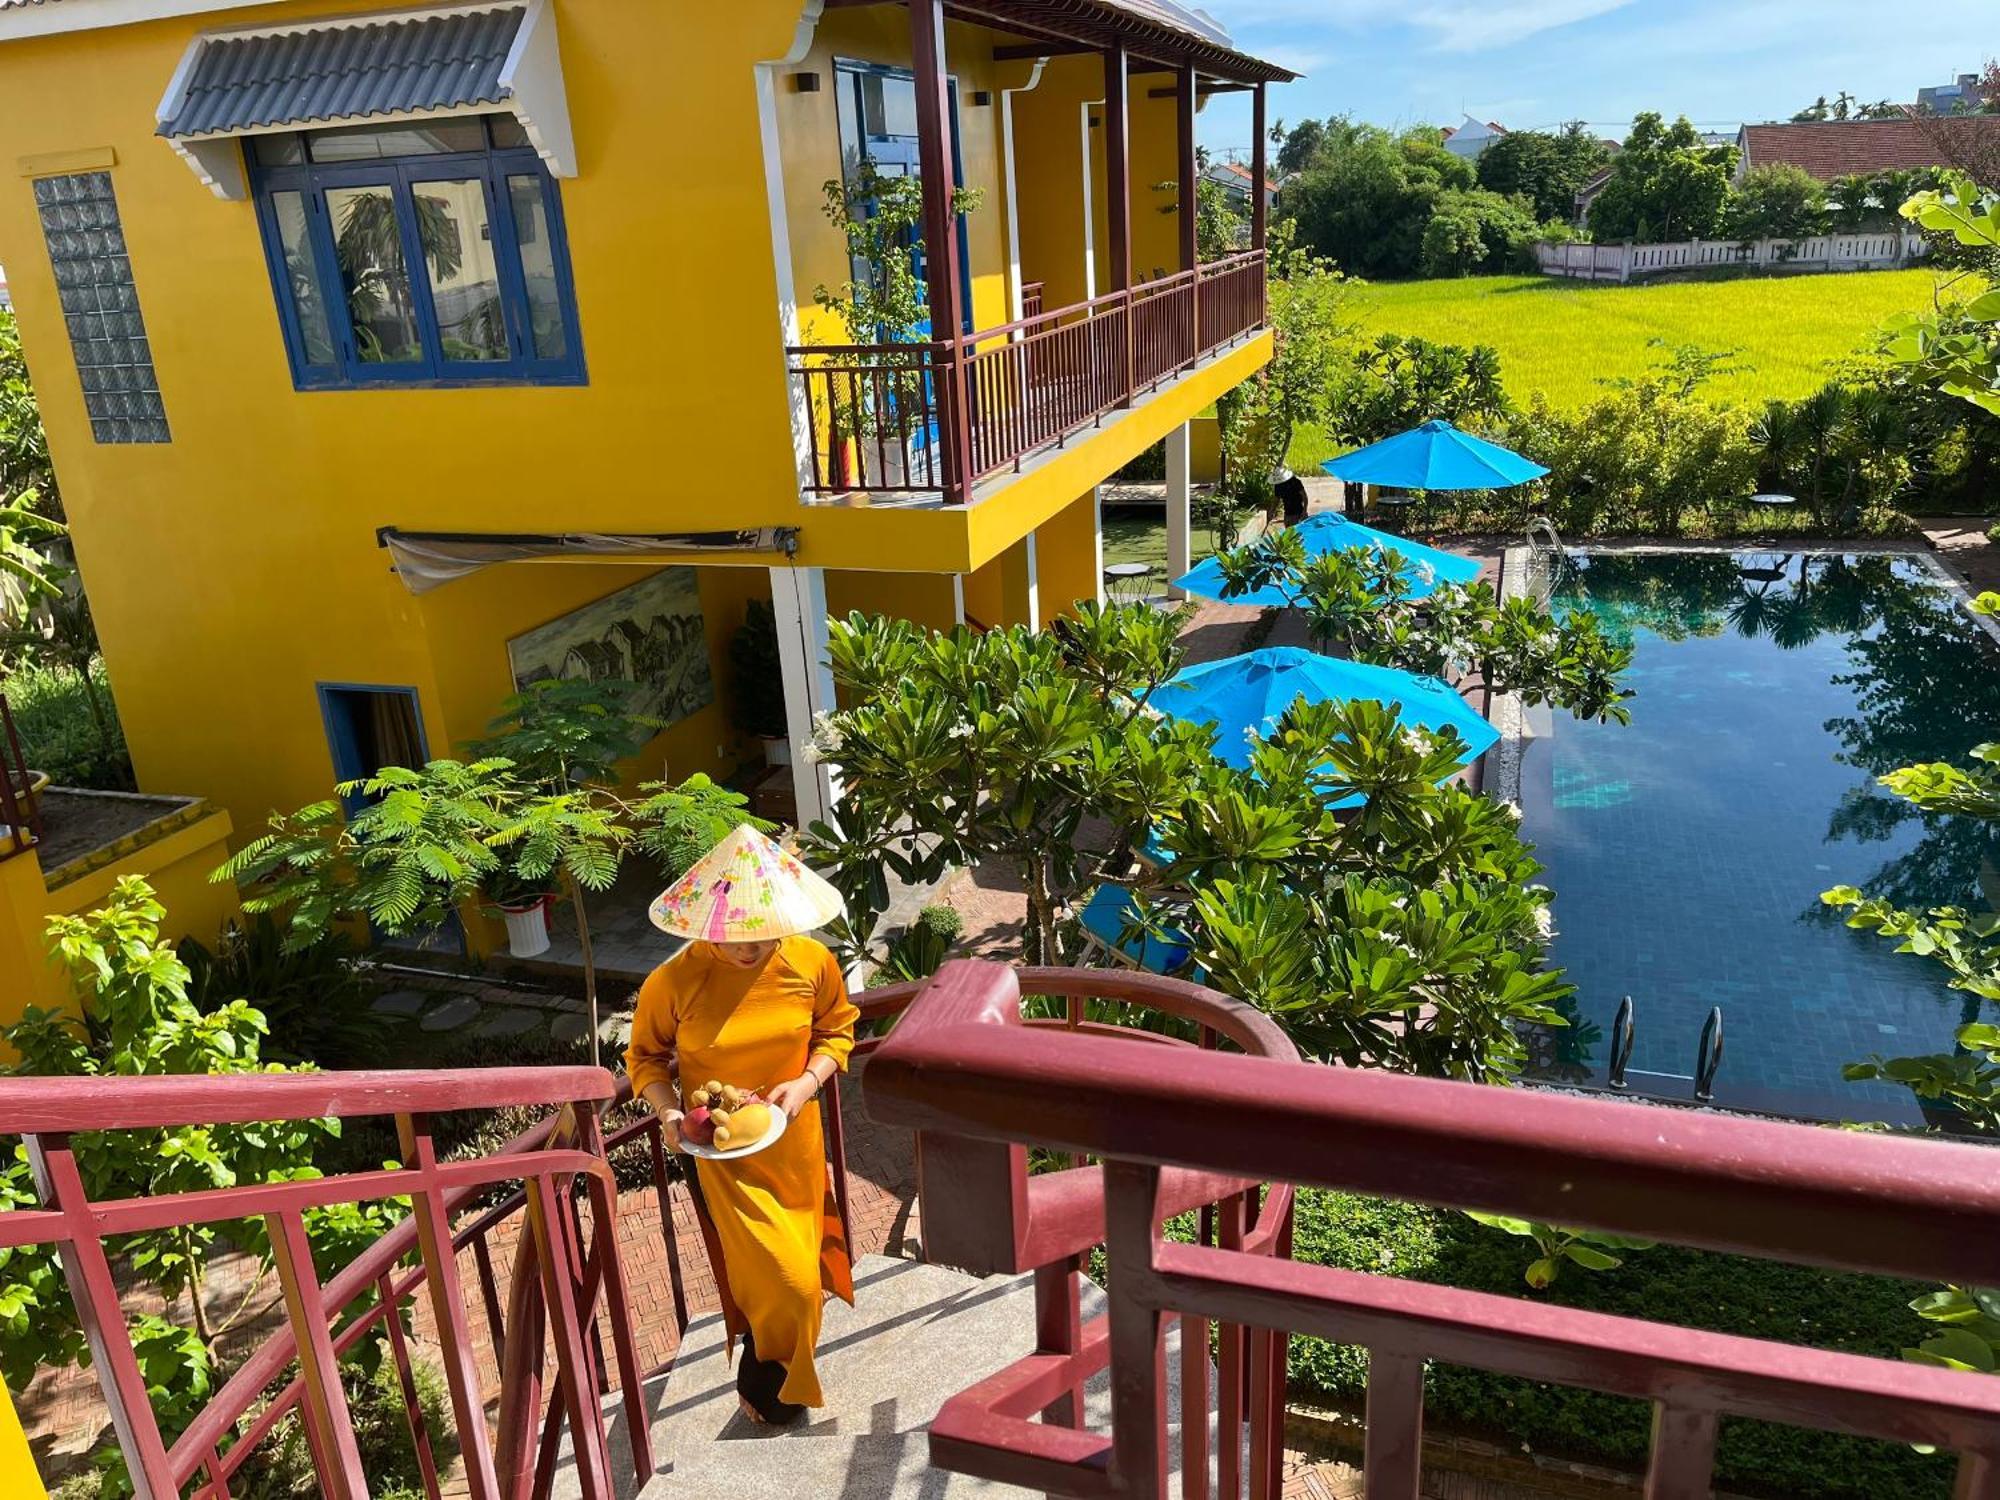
(21, 21)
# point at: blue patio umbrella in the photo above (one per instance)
(1246, 695)
(1424, 567)
(1435, 456)
(1110, 916)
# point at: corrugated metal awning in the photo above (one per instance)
(373, 69)
(310, 76)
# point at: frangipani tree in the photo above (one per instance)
(1962, 358)
(1408, 933)
(1362, 604)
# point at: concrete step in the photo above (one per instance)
(916, 1335)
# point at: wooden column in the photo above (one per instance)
(934, 155)
(1259, 143)
(1185, 169)
(1187, 183)
(1118, 204)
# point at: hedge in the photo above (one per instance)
(1726, 1293)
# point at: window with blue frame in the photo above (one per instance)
(425, 253)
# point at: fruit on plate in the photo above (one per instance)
(743, 1126)
(698, 1126)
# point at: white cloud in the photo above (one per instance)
(1470, 26)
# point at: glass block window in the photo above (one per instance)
(101, 305)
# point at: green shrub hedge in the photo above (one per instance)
(1726, 1293)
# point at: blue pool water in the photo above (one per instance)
(1688, 849)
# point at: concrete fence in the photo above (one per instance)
(1876, 250)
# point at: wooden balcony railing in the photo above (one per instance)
(20, 819)
(885, 418)
(562, 1278)
(961, 1070)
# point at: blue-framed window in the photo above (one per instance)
(425, 253)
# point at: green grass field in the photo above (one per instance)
(1563, 337)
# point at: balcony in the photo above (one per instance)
(893, 419)
(1206, 1109)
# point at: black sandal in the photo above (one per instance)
(758, 1382)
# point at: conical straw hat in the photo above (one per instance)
(745, 890)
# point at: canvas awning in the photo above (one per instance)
(426, 559)
(380, 68)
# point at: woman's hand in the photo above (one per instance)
(796, 1095)
(660, 1098)
(670, 1128)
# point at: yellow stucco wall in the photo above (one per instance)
(235, 567)
(1066, 563)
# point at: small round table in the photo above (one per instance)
(1126, 582)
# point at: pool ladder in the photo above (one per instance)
(1707, 1057)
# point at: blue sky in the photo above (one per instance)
(1538, 62)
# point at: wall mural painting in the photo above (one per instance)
(649, 632)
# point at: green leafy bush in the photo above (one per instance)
(314, 999)
(1729, 1294)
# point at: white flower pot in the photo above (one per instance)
(527, 929)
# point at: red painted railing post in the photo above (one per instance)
(94, 1293)
(454, 1332)
(329, 1428)
(1393, 1448)
(1138, 1332)
(1059, 1330)
(608, 1271)
(579, 1391)
(406, 1377)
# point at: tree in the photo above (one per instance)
(1814, 112)
(1363, 604)
(1776, 201)
(1364, 198)
(1477, 231)
(1960, 354)
(1398, 383)
(1314, 327)
(138, 1020)
(1299, 146)
(1664, 185)
(1545, 167)
(1406, 934)
(1843, 450)
(431, 841)
(24, 446)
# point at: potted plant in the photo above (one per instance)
(883, 313)
(759, 691)
(523, 904)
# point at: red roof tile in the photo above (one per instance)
(1834, 148)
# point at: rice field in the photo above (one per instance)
(1565, 337)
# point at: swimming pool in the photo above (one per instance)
(1688, 849)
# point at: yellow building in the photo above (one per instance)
(390, 356)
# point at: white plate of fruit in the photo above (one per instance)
(724, 1122)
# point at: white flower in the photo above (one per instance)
(827, 735)
(962, 730)
(1512, 811)
(811, 753)
(1426, 573)
(1545, 923)
(1417, 740)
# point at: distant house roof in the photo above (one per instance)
(1837, 148)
